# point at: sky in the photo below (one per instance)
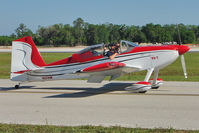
(34, 13)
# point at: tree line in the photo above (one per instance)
(83, 33)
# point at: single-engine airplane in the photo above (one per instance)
(27, 64)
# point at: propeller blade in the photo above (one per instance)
(179, 37)
(183, 66)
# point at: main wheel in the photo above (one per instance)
(16, 86)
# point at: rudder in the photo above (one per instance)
(25, 57)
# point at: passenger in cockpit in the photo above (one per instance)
(105, 49)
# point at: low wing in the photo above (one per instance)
(98, 72)
(102, 67)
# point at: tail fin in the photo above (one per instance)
(25, 56)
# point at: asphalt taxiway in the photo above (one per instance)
(75, 102)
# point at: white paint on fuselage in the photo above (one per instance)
(143, 60)
(164, 58)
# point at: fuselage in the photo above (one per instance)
(27, 65)
(144, 58)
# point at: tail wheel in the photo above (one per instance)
(17, 86)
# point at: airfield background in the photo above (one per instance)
(84, 33)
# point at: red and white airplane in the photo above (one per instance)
(27, 64)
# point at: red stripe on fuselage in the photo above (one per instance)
(152, 48)
(20, 72)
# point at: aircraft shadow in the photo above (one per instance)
(13, 88)
(86, 92)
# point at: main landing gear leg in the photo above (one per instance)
(148, 75)
(154, 82)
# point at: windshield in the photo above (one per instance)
(96, 50)
(127, 46)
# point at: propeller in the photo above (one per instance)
(183, 66)
(182, 56)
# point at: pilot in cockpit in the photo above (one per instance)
(113, 50)
(117, 48)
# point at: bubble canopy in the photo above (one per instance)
(98, 49)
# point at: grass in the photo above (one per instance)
(173, 72)
(14, 128)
